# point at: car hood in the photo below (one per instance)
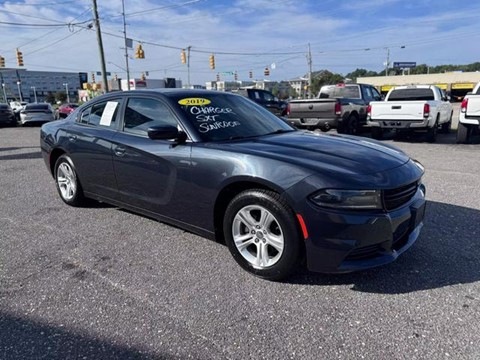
(321, 153)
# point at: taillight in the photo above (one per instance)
(288, 109)
(463, 107)
(426, 110)
(338, 108)
(369, 110)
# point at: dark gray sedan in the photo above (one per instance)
(221, 166)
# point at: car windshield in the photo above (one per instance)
(219, 117)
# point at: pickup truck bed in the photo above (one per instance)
(341, 106)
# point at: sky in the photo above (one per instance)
(243, 35)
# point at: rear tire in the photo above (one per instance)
(67, 182)
(432, 133)
(463, 133)
(349, 126)
(262, 234)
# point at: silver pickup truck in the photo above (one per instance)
(341, 106)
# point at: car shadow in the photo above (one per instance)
(22, 338)
(22, 156)
(18, 148)
(445, 254)
(417, 137)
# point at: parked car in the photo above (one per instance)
(36, 113)
(7, 116)
(64, 110)
(266, 99)
(341, 106)
(17, 106)
(411, 108)
(469, 117)
(221, 166)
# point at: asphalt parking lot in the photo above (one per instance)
(103, 283)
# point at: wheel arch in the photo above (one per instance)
(54, 155)
(226, 195)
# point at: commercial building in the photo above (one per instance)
(26, 85)
(457, 84)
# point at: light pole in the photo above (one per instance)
(4, 93)
(19, 90)
(34, 92)
(126, 44)
(66, 90)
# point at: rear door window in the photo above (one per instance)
(102, 114)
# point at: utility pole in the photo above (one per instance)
(188, 64)
(126, 44)
(309, 59)
(100, 46)
(388, 61)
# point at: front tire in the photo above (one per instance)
(67, 182)
(262, 234)
(446, 127)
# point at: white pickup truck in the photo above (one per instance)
(469, 118)
(411, 108)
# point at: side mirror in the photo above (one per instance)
(163, 132)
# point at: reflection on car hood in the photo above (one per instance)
(346, 154)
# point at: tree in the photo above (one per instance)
(360, 73)
(50, 98)
(61, 96)
(324, 77)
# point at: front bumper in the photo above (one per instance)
(342, 242)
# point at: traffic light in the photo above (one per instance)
(266, 72)
(235, 76)
(19, 58)
(183, 56)
(139, 53)
(250, 74)
(218, 77)
(212, 62)
(93, 77)
(115, 77)
(2, 62)
(143, 77)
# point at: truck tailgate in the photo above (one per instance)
(473, 107)
(318, 109)
(397, 110)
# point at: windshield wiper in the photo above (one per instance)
(279, 131)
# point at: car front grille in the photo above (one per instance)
(395, 198)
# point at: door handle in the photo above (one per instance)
(120, 151)
(72, 138)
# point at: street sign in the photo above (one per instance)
(404, 64)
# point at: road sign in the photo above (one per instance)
(404, 64)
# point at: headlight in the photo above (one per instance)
(419, 165)
(348, 199)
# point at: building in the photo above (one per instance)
(26, 85)
(146, 83)
(457, 84)
(300, 86)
